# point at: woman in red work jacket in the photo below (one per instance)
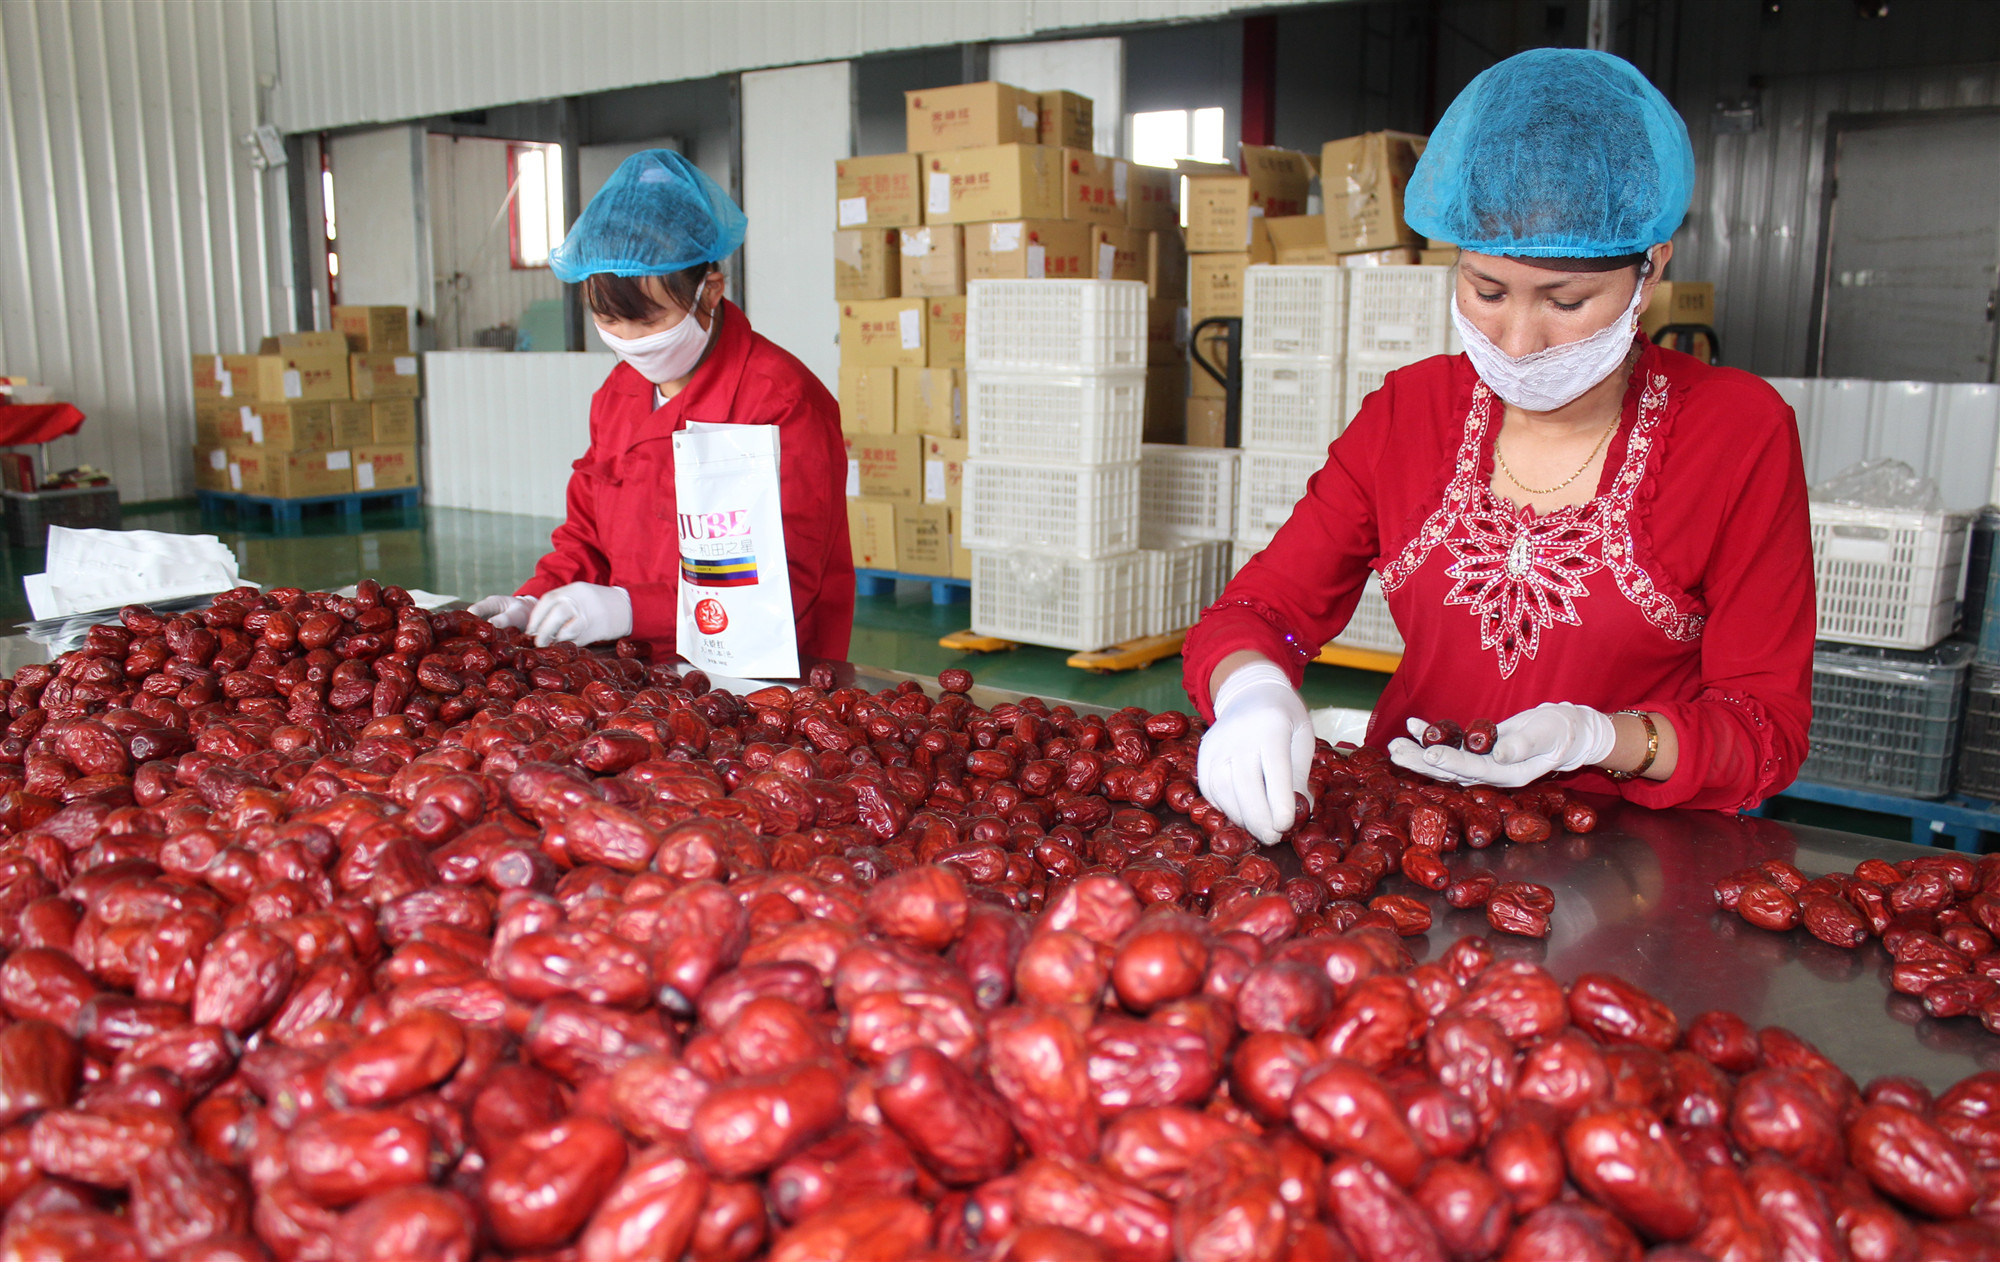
(646, 251)
(1602, 544)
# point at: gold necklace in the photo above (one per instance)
(1602, 439)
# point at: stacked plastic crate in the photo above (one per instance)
(1187, 514)
(1888, 687)
(1055, 399)
(1296, 340)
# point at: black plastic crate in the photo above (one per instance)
(31, 513)
(1887, 719)
(1979, 737)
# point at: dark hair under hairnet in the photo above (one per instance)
(1555, 153)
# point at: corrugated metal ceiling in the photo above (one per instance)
(349, 62)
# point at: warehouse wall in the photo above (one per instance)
(136, 232)
(478, 285)
(357, 61)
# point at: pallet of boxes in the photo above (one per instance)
(1344, 298)
(998, 183)
(321, 417)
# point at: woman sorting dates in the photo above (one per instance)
(646, 251)
(1601, 543)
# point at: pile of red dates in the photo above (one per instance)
(338, 929)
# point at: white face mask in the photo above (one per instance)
(667, 355)
(1555, 377)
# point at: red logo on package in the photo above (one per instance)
(708, 615)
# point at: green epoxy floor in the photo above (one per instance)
(468, 554)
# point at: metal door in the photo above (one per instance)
(1912, 246)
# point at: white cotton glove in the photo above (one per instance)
(1553, 737)
(1258, 753)
(581, 613)
(505, 611)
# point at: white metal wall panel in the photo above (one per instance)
(348, 62)
(501, 430)
(797, 123)
(1948, 432)
(478, 285)
(1092, 67)
(135, 233)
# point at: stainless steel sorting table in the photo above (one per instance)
(1636, 898)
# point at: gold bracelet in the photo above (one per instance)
(1652, 748)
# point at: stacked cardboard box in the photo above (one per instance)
(311, 414)
(1229, 217)
(997, 183)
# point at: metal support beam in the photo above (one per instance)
(572, 178)
(1260, 80)
(973, 60)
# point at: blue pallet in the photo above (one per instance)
(944, 591)
(1959, 819)
(287, 514)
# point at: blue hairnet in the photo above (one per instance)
(656, 214)
(1555, 153)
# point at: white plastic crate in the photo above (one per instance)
(1292, 404)
(1887, 578)
(1270, 483)
(1187, 492)
(1055, 325)
(1239, 556)
(1364, 375)
(1092, 511)
(1399, 311)
(1295, 312)
(1183, 580)
(1071, 418)
(1372, 626)
(1062, 602)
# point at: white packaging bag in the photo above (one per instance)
(735, 607)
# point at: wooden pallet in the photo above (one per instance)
(1360, 659)
(944, 590)
(1131, 655)
(288, 514)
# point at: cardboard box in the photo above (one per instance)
(885, 467)
(1300, 241)
(971, 116)
(297, 475)
(1117, 253)
(1446, 257)
(961, 556)
(208, 424)
(1215, 284)
(877, 192)
(1679, 302)
(933, 261)
(353, 422)
(383, 329)
(1207, 421)
(284, 426)
(385, 376)
(278, 377)
(1166, 329)
(211, 468)
(888, 332)
(1149, 199)
(385, 468)
(923, 539)
(944, 329)
(1166, 402)
(1069, 119)
(1033, 249)
(944, 471)
(868, 398)
(310, 342)
(393, 421)
(250, 470)
(1215, 349)
(1094, 187)
(1166, 265)
(1222, 208)
(1361, 182)
(1399, 256)
(865, 265)
(871, 533)
(996, 182)
(930, 401)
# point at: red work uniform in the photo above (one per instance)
(1685, 587)
(621, 529)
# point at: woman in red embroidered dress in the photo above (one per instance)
(1604, 540)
